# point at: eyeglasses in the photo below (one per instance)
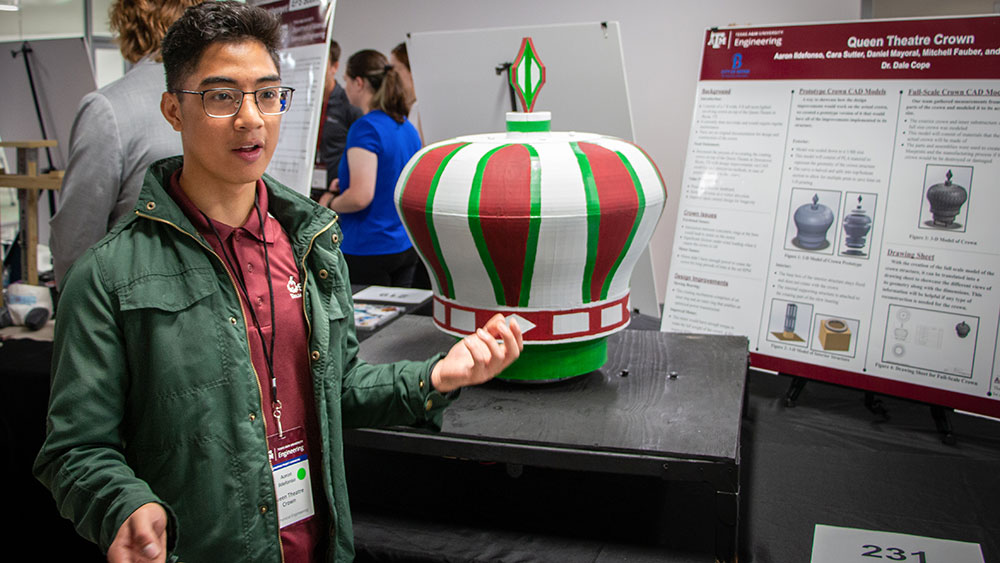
(226, 102)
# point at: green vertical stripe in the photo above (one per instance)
(429, 212)
(635, 224)
(448, 291)
(534, 225)
(526, 64)
(476, 227)
(593, 218)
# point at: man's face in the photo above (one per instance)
(226, 151)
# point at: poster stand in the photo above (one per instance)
(42, 94)
(940, 414)
(24, 51)
(943, 422)
(794, 389)
(504, 68)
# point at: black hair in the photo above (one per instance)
(334, 52)
(225, 21)
(390, 96)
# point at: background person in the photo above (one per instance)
(338, 115)
(117, 133)
(210, 334)
(379, 144)
(399, 58)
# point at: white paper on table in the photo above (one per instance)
(393, 294)
(833, 544)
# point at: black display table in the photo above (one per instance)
(665, 406)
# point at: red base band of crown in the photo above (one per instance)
(539, 326)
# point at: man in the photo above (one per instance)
(115, 136)
(205, 360)
(339, 114)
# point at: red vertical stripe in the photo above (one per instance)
(415, 206)
(619, 207)
(505, 215)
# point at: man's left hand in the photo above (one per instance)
(478, 357)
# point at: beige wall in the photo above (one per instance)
(920, 8)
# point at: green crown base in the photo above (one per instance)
(529, 126)
(541, 362)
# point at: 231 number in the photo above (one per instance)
(891, 553)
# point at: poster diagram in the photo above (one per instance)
(809, 226)
(836, 335)
(857, 224)
(836, 204)
(936, 340)
(946, 197)
(785, 324)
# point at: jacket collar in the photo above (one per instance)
(299, 215)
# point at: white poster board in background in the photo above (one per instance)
(459, 91)
(62, 75)
(839, 205)
(306, 26)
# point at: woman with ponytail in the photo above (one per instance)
(379, 145)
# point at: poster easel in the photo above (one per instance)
(29, 184)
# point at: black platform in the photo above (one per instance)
(665, 408)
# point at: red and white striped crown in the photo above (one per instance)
(544, 226)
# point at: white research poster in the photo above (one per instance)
(305, 30)
(840, 204)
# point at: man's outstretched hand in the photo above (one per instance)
(478, 357)
(142, 537)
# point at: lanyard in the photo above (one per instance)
(241, 282)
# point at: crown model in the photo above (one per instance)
(541, 226)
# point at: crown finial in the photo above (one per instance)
(527, 74)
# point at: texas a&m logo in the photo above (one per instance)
(717, 39)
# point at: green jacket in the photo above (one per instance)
(154, 397)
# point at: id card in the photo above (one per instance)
(292, 481)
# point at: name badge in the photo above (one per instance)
(292, 481)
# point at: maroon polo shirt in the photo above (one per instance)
(305, 540)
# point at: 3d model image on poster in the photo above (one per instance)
(790, 323)
(857, 225)
(541, 226)
(947, 197)
(836, 335)
(812, 220)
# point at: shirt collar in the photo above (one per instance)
(251, 226)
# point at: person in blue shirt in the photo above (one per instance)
(379, 145)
